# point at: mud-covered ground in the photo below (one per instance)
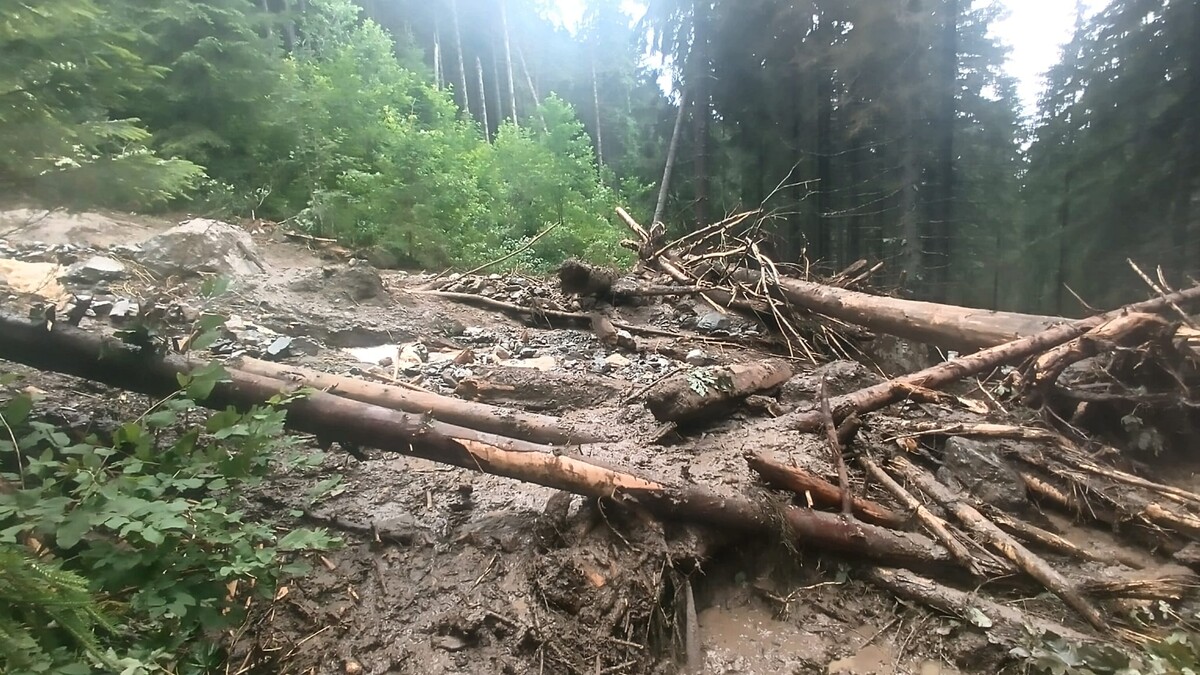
(481, 574)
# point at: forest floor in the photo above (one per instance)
(474, 573)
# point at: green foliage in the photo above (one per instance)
(702, 380)
(67, 67)
(1177, 653)
(142, 536)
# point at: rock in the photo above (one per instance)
(543, 363)
(617, 361)
(527, 353)
(450, 643)
(352, 667)
(358, 282)
(844, 377)
(306, 345)
(1188, 555)
(96, 268)
(122, 309)
(414, 354)
(279, 346)
(982, 473)
(102, 307)
(697, 357)
(713, 321)
(201, 246)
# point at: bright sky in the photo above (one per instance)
(1034, 29)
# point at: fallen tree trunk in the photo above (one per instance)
(537, 390)
(822, 492)
(1001, 542)
(886, 393)
(492, 419)
(74, 352)
(946, 326)
(1007, 620)
(698, 394)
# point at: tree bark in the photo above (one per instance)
(71, 351)
(462, 67)
(1002, 543)
(1008, 622)
(824, 238)
(703, 106)
(596, 109)
(822, 492)
(669, 166)
(947, 326)
(487, 130)
(489, 418)
(886, 393)
(512, 89)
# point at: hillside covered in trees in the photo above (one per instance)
(443, 132)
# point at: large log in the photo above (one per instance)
(481, 416)
(74, 352)
(886, 393)
(947, 326)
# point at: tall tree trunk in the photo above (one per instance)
(487, 132)
(854, 234)
(910, 224)
(596, 108)
(496, 87)
(437, 55)
(537, 100)
(464, 99)
(1064, 224)
(1185, 236)
(703, 107)
(940, 242)
(824, 237)
(672, 150)
(267, 21)
(512, 90)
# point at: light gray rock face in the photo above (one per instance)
(202, 246)
(96, 269)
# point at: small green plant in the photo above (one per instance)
(1178, 652)
(132, 554)
(700, 380)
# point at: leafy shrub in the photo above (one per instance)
(1179, 652)
(143, 549)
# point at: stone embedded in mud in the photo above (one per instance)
(982, 472)
(95, 269)
(697, 357)
(357, 282)
(713, 321)
(201, 246)
(617, 361)
(844, 377)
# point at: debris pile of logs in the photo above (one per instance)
(924, 539)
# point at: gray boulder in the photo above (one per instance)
(982, 472)
(96, 269)
(202, 246)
